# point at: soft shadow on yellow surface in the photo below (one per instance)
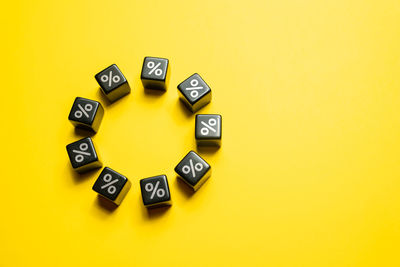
(308, 171)
(80, 177)
(184, 188)
(105, 204)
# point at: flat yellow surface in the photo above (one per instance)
(309, 170)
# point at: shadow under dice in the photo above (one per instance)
(82, 155)
(194, 92)
(155, 73)
(193, 170)
(86, 113)
(112, 185)
(113, 83)
(208, 129)
(155, 191)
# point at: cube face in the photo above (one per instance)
(113, 83)
(112, 185)
(155, 73)
(82, 155)
(194, 92)
(86, 114)
(208, 129)
(155, 191)
(193, 170)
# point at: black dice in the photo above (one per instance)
(194, 92)
(155, 73)
(86, 113)
(208, 129)
(113, 83)
(112, 185)
(193, 170)
(155, 191)
(83, 155)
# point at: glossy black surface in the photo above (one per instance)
(192, 169)
(194, 92)
(155, 190)
(208, 129)
(155, 73)
(86, 113)
(112, 83)
(109, 184)
(82, 155)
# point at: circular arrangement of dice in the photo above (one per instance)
(88, 114)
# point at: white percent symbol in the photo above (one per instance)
(111, 189)
(83, 111)
(154, 68)
(207, 127)
(192, 168)
(110, 78)
(81, 153)
(195, 88)
(149, 187)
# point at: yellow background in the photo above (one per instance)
(308, 173)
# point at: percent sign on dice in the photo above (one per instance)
(193, 168)
(83, 111)
(208, 126)
(111, 189)
(81, 153)
(154, 68)
(110, 78)
(149, 187)
(194, 89)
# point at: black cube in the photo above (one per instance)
(155, 73)
(113, 83)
